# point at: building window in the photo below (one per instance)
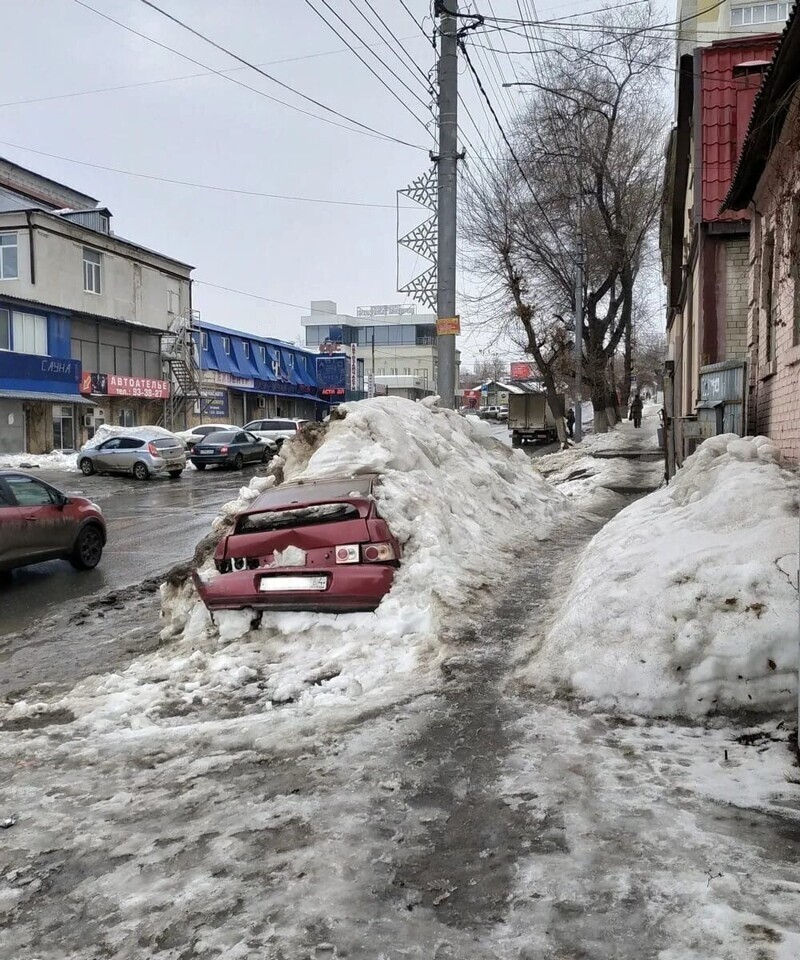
(203, 340)
(226, 345)
(759, 13)
(91, 271)
(29, 334)
(768, 298)
(127, 417)
(262, 352)
(406, 371)
(8, 256)
(63, 428)
(246, 348)
(5, 329)
(290, 361)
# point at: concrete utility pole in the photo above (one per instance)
(447, 163)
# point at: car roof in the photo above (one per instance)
(339, 487)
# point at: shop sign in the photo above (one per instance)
(215, 403)
(23, 366)
(332, 376)
(270, 386)
(110, 385)
(353, 367)
(227, 379)
(523, 371)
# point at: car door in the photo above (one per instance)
(48, 528)
(12, 528)
(240, 445)
(107, 454)
(128, 453)
(254, 446)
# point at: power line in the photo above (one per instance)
(202, 186)
(425, 78)
(377, 76)
(633, 30)
(364, 128)
(188, 76)
(404, 5)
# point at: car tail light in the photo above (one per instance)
(223, 449)
(379, 552)
(348, 553)
(152, 449)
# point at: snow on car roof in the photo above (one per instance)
(303, 491)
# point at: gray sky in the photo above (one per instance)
(210, 131)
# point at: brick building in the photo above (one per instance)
(767, 184)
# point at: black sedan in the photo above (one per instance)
(232, 448)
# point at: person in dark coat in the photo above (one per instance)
(570, 422)
(635, 412)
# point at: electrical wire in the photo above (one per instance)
(397, 40)
(200, 186)
(364, 128)
(377, 76)
(188, 76)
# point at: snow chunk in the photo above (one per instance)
(681, 604)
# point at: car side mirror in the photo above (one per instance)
(63, 502)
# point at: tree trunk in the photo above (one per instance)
(628, 363)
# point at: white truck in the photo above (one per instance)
(530, 419)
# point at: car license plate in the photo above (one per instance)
(280, 584)
(205, 450)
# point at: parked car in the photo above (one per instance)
(144, 453)
(201, 431)
(277, 429)
(313, 545)
(39, 522)
(494, 412)
(232, 448)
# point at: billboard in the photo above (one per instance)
(109, 385)
(332, 375)
(523, 371)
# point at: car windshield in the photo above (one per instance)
(226, 437)
(299, 517)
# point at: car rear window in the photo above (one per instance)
(321, 490)
(299, 517)
(221, 437)
(165, 443)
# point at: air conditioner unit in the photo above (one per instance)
(99, 414)
(88, 420)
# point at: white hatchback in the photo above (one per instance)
(276, 428)
(201, 431)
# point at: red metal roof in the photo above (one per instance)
(726, 104)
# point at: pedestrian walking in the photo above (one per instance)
(570, 422)
(635, 412)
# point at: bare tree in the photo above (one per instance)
(586, 154)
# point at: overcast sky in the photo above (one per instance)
(211, 131)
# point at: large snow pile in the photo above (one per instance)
(460, 503)
(685, 603)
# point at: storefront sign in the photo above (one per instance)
(353, 367)
(332, 376)
(227, 379)
(214, 403)
(24, 366)
(105, 385)
(370, 385)
(523, 371)
(282, 386)
(448, 326)
(387, 310)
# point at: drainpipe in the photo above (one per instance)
(31, 252)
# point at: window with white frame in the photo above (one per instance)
(226, 345)
(246, 348)
(759, 13)
(290, 361)
(5, 329)
(29, 334)
(203, 340)
(91, 270)
(9, 266)
(262, 351)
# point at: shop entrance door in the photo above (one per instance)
(63, 428)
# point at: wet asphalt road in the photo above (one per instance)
(151, 526)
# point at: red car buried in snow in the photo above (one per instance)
(313, 545)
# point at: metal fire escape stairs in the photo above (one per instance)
(179, 356)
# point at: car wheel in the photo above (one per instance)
(87, 467)
(140, 471)
(88, 548)
(238, 462)
(200, 466)
(175, 474)
(267, 455)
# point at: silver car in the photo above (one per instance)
(144, 454)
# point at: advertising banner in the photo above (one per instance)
(36, 369)
(110, 385)
(332, 376)
(523, 371)
(214, 403)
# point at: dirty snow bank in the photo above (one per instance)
(55, 460)
(460, 503)
(685, 602)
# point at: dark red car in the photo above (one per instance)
(39, 522)
(313, 545)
